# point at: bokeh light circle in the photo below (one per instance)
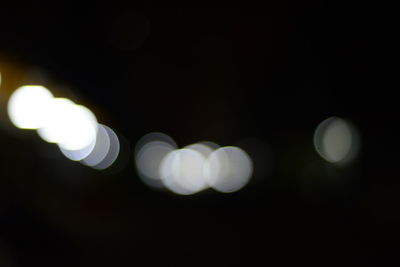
(150, 150)
(112, 154)
(79, 154)
(148, 160)
(228, 169)
(100, 148)
(182, 170)
(27, 106)
(72, 126)
(336, 140)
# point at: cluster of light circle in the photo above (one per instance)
(193, 168)
(74, 128)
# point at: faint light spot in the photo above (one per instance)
(181, 171)
(336, 140)
(154, 136)
(27, 106)
(112, 154)
(149, 152)
(73, 127)
(203, 148)
(148, 160)
(228, 169)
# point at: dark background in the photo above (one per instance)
(271, 74)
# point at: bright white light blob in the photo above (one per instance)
(336, 140)
(80, 129)
(100, 148)
(93, 154)
(228, 169)
(56, 110)
(73, 127)
(181, 171)
(112, 154)
(27, 106)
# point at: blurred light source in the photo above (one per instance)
(228, 169)
(27, 106)
(112, 154)
(336, 140)
(150, 150)
(181, 171)
(148, 161)
(193, 168)
(154, 136)
(59, 120)
(100, 148)
(73, 127)
(57, 110)
(106, 150)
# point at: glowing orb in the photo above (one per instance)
(181, 171)
(73, 127)
(336, 140)
(27, 106)
(228, 169)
